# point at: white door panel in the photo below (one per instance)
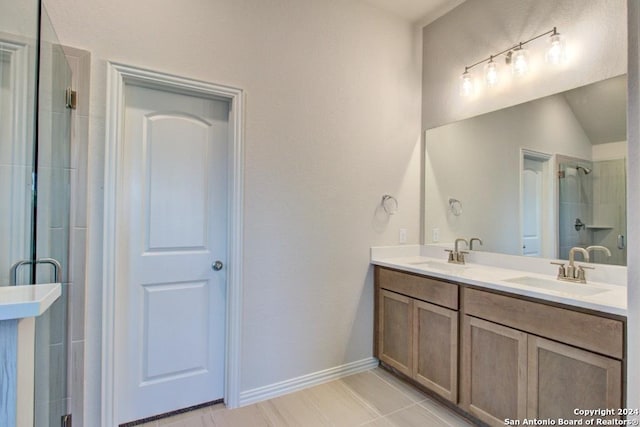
(171, 227)
(532, 187)
(176, 179)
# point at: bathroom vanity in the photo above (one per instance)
(19, 307)
(499, 343)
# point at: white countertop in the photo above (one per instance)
(17, 302)
(608, 297)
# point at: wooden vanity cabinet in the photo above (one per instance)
(395, 341)
(562, 378)
(494, 371)
(514, 358)
(513, 366)
(417, 329)
(435, 349)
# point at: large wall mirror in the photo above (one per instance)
(535, 179)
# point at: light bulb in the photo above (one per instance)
(520, 61)
(491, 73)
(556, 52)
(466, 83)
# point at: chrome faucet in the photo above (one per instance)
(599, 248)
(571, 273)
(472, 240)
(456, 256)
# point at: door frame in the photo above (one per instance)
(17, 55)
(119, 76)
(548, 246)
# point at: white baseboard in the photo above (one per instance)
(284, 387)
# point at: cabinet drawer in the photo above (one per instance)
(599, 334)
(419, 287)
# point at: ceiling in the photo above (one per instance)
(420, 12)
(601, 109)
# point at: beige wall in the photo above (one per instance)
(332, 124)
(19, 19)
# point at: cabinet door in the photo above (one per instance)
(494, 371)
(563, 378)
(435, 348)
(395, 323)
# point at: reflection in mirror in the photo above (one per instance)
(18, 47)
(535, 179)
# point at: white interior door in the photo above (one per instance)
(172, 214)
(532, 197)
(16, 160)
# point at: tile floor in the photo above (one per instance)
(373, 398)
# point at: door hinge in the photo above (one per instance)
(66, 420)
(71, 98)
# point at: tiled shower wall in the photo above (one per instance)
(576, 200)
(599, 200)
(610, 209)
(80, 63)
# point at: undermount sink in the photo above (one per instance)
(557, 286)
(441, 265)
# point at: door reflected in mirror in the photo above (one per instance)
(535, 179)
(18, 47)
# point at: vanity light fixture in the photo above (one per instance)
(517, 57)
(520, 61)
(491, 72)
(466, 83)
(556, 52)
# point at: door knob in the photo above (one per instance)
(217, 266)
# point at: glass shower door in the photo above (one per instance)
(52, 209)
(35, 184)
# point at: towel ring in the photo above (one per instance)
(455, 206)
(389, 204)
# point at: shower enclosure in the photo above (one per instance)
(35, 185)
(592, 207)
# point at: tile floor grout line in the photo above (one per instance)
(360, 398)
(396, 387)
(427, 398)
(315, 405)
(400, 409)
(439, 417)
(445, 422)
